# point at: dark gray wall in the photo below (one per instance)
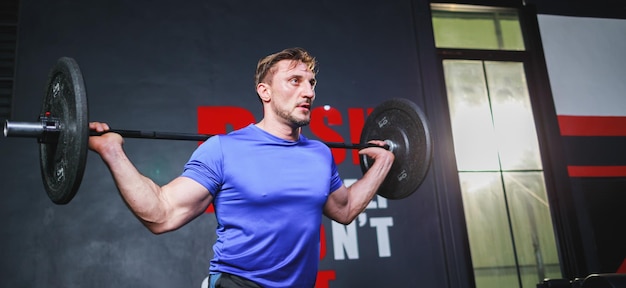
(148, 65)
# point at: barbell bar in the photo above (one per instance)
(62, 131)
(47, 129)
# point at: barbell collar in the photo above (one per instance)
(23, 129)
(45, 130)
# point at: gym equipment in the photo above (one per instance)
(62, 130)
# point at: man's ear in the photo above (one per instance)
(264, 92)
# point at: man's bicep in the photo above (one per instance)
(336, 203)
(186, 193)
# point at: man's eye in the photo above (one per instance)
(294, 81)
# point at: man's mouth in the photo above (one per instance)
(305, 105)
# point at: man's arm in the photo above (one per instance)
(346, 203)
(160, 209)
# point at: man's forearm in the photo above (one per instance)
(362, 191)
(140, 193)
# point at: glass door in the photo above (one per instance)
(507, 213)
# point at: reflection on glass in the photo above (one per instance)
(512, 116)
(488, 229)
(472, 128)
(532, 226)
(504, 196)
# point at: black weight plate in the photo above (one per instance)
(403, 123)
(63, 162)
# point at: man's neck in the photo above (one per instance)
(279, 130)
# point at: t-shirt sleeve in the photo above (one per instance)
(335, 180)
(205, 165)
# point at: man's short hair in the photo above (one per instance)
(266, 67)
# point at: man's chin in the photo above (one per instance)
(302, 122)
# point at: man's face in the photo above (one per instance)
(292, 91)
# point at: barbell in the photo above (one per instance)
(62, 131)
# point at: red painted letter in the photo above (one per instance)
(325, 133)
(217, 119)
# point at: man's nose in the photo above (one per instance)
(309, 91)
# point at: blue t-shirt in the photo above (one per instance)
(268, 195)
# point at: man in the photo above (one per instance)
(269, 184)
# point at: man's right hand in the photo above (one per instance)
(101, 144)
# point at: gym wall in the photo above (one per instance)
(155, 65)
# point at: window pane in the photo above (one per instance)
(495, 140)
(464, 30)
(474, 138)
(532, 226)
(512, 116)
(476, 27)
(511, 33)
(488, 229)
